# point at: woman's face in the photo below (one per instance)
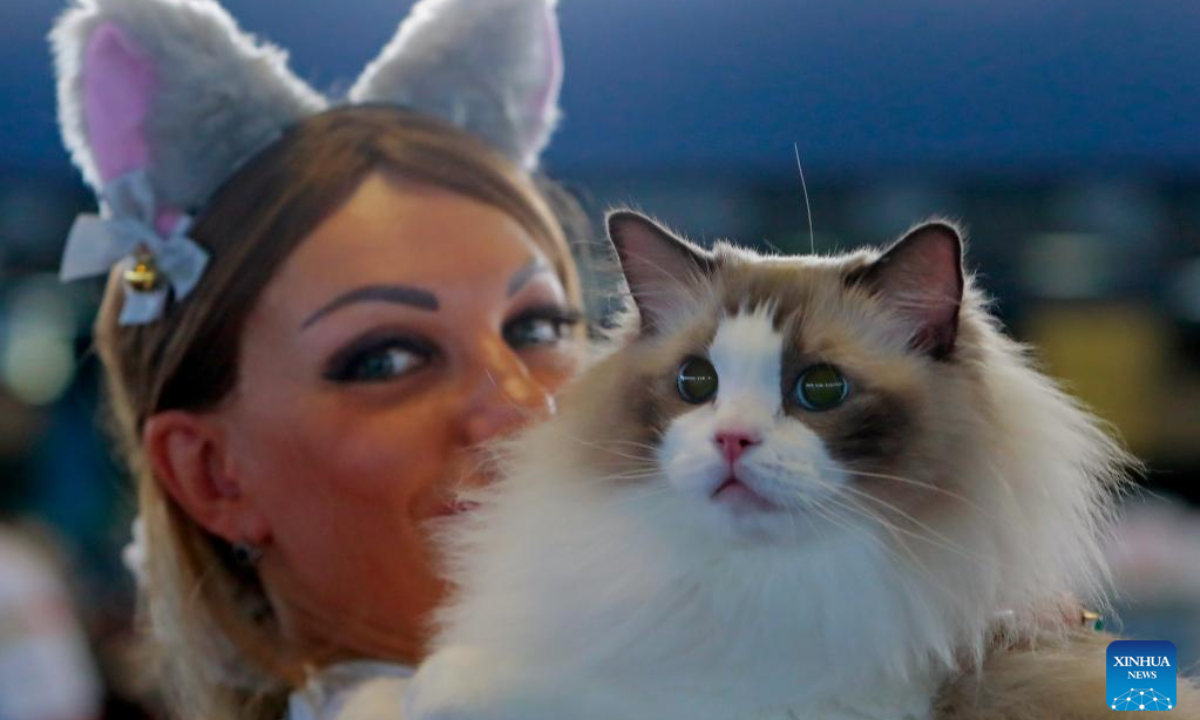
(410, 326)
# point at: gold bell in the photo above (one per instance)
(143, 276)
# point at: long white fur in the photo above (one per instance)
(583, 597)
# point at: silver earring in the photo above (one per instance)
(246, 554)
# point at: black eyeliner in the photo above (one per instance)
(338, 367)
(554, 313)
(558, 317)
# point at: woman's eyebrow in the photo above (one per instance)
(524, 273)
(398, 294)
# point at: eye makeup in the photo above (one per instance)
(378, 356)
(385, 354)
(540, 325)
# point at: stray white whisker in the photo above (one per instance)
(812, 237)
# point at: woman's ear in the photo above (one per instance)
(188, 454)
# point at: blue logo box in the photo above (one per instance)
(1141, 675)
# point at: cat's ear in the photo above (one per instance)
(661, 268)
(172, 89)
(493, 67)
(921, 278)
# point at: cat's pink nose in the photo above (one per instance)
(735, 442)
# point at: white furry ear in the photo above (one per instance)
(921, 277)
(172, 87)
(661, 268)
(492, 67)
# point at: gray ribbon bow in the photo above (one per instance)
(96, 243)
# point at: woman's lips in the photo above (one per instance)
(456, 507)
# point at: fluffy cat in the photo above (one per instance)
(805, 487)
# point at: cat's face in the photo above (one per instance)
(742, 449)
(781, 396)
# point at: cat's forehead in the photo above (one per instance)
(812, 302)
(786, 283)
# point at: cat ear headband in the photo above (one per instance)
(160, 101)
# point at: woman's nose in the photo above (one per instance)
(506, 396)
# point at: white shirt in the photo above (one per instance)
(358, 690)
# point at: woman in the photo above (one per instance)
(300, 373)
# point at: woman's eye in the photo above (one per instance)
(821, 387)
(541, 327)
(696, 381)
(378, 364)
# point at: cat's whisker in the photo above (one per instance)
(603, 446)
(608, 450)
(793, 512)
(525, 411)
(581, 441)
(932, 537)
(826, 512)
(892, 508)
(638, 443)
(632, 475)
(805, 501)
(955, 547)
(784, 470)
(935, 538)
(909, 481)
(634, 443)
(836, 494)
(885, 476)
(891, 550)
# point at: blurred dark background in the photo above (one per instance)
(1065, 134)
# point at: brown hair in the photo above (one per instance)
(214, 639)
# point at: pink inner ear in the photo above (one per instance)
(921, 278)
(118, 83)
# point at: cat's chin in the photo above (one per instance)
(748, 517)
(750, 509)
(740, 497)
(784, 528)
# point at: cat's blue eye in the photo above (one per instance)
(373, 360)
(696, 380)
(821, 387)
